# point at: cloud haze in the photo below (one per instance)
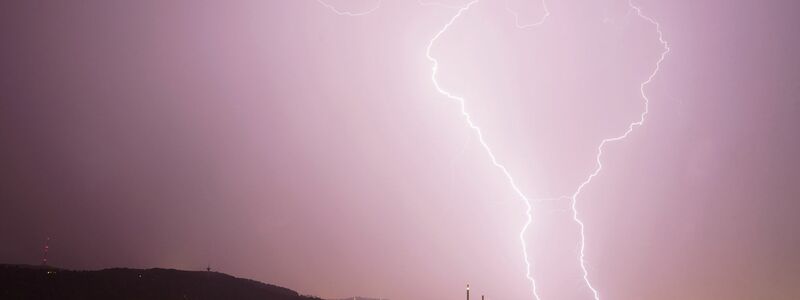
(280, 141)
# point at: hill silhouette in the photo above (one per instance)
(37, 282)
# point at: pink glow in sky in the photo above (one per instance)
(304, 144)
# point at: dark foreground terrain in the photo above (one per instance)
(31, 282)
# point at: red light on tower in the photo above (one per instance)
(44, 252)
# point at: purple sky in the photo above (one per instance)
(279, 141)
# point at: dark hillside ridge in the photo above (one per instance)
(36, 282)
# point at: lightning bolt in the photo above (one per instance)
(479, 133)
(349, 13)
(599, 163)
(526, 26)
(493, 158)
(574, 197)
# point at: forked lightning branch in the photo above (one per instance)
(460, 11)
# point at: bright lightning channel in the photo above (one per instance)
(531, 25)
(495, 162)
(349, 13)
(624, 135)
(479, 133)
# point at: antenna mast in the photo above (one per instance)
(44, 251)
